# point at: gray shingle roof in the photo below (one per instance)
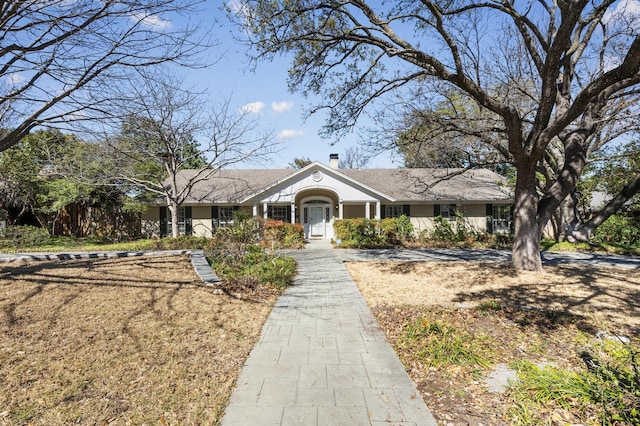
(434, 184)
(404, 185)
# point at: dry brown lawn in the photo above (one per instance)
(607, 294)
(548, 317)
(120, 341)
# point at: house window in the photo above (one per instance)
(225, 216)
(184, 221)
(447, 211)
(279, 213)
(393, 211)
(501, 219)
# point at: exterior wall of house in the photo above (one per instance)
(201, 221)
(421, 217)
(151, 222)
(475, 215)
(352, 211)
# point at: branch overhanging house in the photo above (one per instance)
(318, 194)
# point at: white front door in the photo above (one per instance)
(316, 221)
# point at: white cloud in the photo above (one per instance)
(280, 107)
(290, 134)
(253, 108)
(626, 12)
(152, 21)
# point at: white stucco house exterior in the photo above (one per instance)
(318, 194)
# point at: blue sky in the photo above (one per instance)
(265, 93)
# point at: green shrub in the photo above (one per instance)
(183, 242)
(277, 234)
(236, 255)
(360, 233)
(277, 271)
(442, 229)
(371, 233)
(611, 391)
(15, 237)
(619, 229)
(397, 230)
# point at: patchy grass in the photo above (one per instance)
(123, 341)
(66, 244)
(451, 323)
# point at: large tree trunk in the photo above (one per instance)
(526, 242)
(175, 227)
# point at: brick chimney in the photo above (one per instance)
(333, 161)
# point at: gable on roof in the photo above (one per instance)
(317, 176)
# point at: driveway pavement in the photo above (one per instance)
(486, 255)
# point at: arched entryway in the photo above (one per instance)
(316, 215)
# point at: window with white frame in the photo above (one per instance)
(225, 215)
(448, 211)
(393, 211)
(184, 221)
(501, 219)
(279, 213)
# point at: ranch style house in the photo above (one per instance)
(318, 194)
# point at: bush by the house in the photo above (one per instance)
(360, 233)
(397, 230)
(370, 233)
(236, 256)
(277, 234)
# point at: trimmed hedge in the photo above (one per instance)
(277, 234)
(371, 233)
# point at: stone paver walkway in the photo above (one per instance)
(322, 359)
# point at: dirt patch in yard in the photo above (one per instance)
(548, 317)
(121, 341)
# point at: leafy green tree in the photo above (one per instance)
(46, 172)
(577, 62)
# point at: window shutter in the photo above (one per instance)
(490, 210)
(236, 208)
(489, 213)
(214, 218)
(383, 211)
(289, 215)
(188, 226)
(406, 210)
(436, 210)
(163, 221)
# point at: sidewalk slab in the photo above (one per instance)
(322, 359)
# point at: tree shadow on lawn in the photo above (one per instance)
(144, 334)
(612, 294)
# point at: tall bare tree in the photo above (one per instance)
(67, 61)
(571, 58)
(170, 130)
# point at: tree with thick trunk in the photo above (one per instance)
(571, 58)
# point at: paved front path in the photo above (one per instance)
(322, 359)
